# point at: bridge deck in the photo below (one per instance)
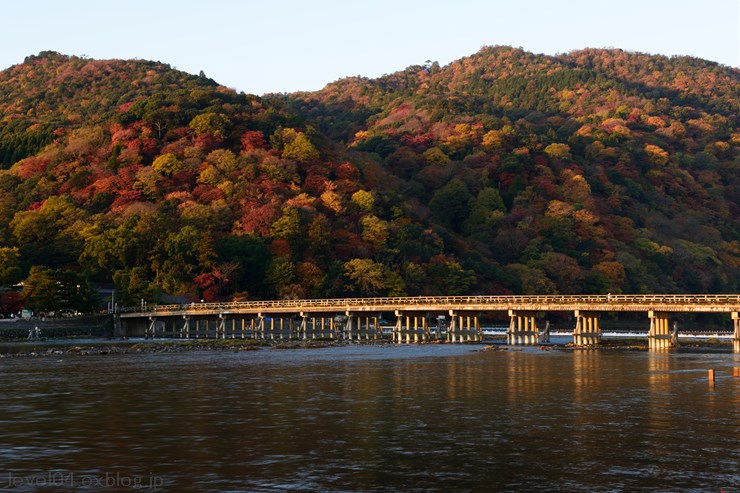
(717, 303)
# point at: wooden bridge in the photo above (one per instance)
(418, 319)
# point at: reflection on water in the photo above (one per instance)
(432, 418)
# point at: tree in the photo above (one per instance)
(486, 210)
(50, 235)
(656, 154)
(288, 226)
(10, 266)
(133, 285)
(365, 276)
(374, 230)
(448, 277)
(364, 200)
(300, 149)
(213, 123)
(558, 151)
(49, 290)
(449, 204)
(168, 164)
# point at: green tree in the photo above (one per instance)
(365, 275)
(10, 266)
(168, 164)
(374, 230)
(300, 149)
(558, 151)
(50, 290)
(133, 285)
(486, 210)
(449, 204)
(215, 123)
(50, 235)
(364, 200)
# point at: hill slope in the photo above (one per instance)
(594, 171)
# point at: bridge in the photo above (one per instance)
(418, 318)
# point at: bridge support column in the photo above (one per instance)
(587, 331)
(151, 328)
(221, 327)
(522, 328)
(736, 336)
(303, 328)
(349, 327)
(258, 327)
(438, 328)
(452, 328)
(396, 331)
(659, 336)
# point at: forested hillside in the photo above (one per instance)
(504, 172)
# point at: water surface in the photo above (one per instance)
(368, 418)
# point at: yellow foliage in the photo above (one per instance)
(558, 208)
(656, 154)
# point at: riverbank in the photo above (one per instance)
(86, 347)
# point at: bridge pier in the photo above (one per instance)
(736, 335)
(154, 327)
(464, 328)
(659, 336)
(587, 331)
(408, 328)
(522, 328)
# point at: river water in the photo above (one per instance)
(369, 418)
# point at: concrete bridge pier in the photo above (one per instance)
(522, 328)
(587, 331)
(736, 336)
(659, 336)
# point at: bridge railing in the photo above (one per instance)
(730, 300)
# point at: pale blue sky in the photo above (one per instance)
(291, 45)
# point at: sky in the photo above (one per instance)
(277, 46)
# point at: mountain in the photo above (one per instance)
(589, 172)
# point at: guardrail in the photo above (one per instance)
(730, 301)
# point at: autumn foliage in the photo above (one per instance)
(504, 172)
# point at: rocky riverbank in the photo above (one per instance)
(38, 349)
(21, 349)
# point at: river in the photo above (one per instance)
(371, 418)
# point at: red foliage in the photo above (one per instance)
(205, 194)
(315, 184)
(280, 248)
(258, 218)
(347, 171)
(31, 167)
(252, 140)
(207, 142)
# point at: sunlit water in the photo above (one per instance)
(367, 418)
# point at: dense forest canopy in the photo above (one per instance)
(593, 171)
